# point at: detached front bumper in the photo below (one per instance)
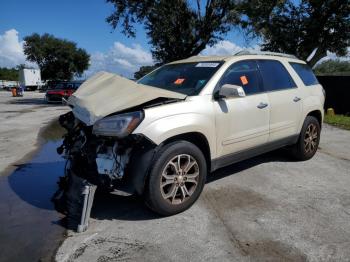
(111, 163)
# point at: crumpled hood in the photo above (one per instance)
(107, 93)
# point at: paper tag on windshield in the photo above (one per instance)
(179, 81)
(244, 80)
(206, 64)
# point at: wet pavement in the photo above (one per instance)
(30, 228)
(21, 120)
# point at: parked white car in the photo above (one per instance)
(160, 137)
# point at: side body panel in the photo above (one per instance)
(286, 108)
(285, 113)
(195, 114)
(312, 97)
(233, 126)
(313, 101)
(241, 124)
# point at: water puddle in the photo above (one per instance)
(30, 227)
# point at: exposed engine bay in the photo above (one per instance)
(102, 161)
(97, 162)
(115, 161)
(100, 146)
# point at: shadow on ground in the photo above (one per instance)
(280, 155)
(32, 101)
(107, 206)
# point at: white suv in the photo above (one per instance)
(160, 137)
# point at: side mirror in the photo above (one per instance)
(227, 91)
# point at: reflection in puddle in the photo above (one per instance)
(52, 132)
(30, 228)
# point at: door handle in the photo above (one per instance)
(262, 105)
(296, 99)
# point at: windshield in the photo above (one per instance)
(186, 78)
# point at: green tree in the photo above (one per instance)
(21, 66)
(10, 74)
(300, 27)
(333, 67)
(178, 28)
(58, 59)
(144, 70)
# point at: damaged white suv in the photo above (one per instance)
(160, 137)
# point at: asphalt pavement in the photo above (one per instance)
(21, 119)
(269, 208)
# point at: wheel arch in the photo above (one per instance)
(317, 114)
(145, 157)
(196, 138)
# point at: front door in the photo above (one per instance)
(242, 122)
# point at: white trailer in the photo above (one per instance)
(30, 78)
(5, 84)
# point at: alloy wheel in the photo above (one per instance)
(310, 139)
(179, 179)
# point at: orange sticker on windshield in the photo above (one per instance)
(244, 80)
(179, 81)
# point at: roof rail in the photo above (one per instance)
(248, 52)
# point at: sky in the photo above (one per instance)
(83, 21)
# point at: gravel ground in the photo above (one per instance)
(268, 208)
(21, 119)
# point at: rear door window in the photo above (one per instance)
(244, 74)
(275, 76)
(305, 73)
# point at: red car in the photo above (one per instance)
(60, 90)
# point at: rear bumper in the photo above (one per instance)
(53, 98)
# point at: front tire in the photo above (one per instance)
(309, 139)
(176, 179)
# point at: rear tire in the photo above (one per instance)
(176, 179)
(308, 140)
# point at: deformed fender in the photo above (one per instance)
(141, 159)
(163, 128)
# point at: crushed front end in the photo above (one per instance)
(107, 154)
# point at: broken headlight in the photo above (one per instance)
(118, 125)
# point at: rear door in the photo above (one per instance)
(284, 98)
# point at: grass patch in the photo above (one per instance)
(338, 120)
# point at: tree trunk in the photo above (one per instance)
(320, 53)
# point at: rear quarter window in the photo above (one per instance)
(305, 73)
